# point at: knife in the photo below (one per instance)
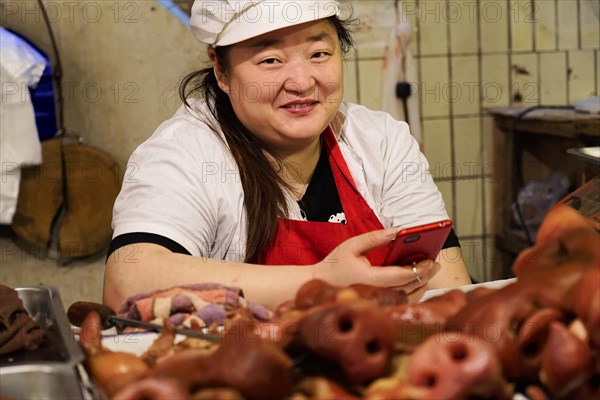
(79, 310)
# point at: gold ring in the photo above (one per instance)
(414, 268)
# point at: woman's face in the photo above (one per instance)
(286, 86)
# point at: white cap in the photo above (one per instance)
(225, 22)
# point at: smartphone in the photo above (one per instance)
(418, 243)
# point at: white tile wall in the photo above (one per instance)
(467, 144)
(438, 147)
(525, 89)
(370, 82)
(489, 168)
(589, 30)
(581, 74)
(567, 30)
(350, 81)
(465, 85)
(553, 78)
(597, 71)
(433, 29)
(545, 28)
(469, 207)
(522, 17)
(494, 21)
(495, 80)
(434, 87)
(462, 17)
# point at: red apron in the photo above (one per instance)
(307, 243)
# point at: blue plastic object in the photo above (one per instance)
(42, 97)
(44, 108)
(177, 12)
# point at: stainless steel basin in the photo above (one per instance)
(51, 371)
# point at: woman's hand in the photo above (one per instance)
(348, 264)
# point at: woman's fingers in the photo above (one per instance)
(418, 278)
(407, 277)
(347, 264)
(362, 244)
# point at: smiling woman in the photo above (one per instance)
(285, 86)
(296, 76)
(264, 164)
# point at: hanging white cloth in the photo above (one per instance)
(399, 66)
(21, 67)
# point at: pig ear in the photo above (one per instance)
(566, 361)
(575, 237)
(559, 220)
(564, 236)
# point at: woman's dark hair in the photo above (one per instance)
(264, 196)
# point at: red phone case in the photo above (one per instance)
(418, 243)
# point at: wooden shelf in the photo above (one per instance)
(553, 122)
(540, 143)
